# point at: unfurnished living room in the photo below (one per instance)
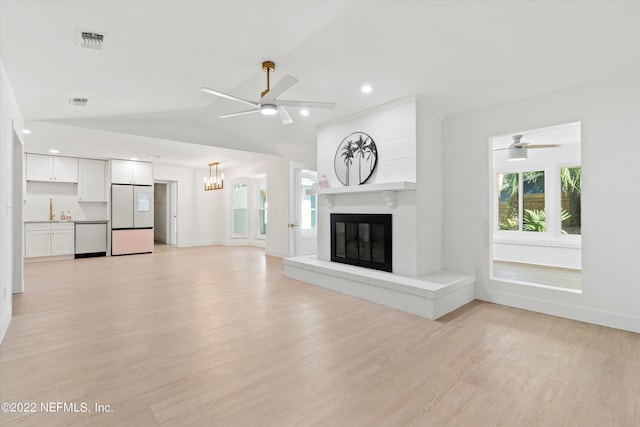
(337, 213)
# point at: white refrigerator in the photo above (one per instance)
(131, 219)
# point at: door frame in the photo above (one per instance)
(172, 210)
(295, 170)
(17, 224)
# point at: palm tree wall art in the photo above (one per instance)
(356, 159)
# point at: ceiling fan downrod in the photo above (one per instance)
(267, 66)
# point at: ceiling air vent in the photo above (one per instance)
(90, 39)
(78, 102)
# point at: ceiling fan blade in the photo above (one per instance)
(307, 104)
(542, 146)
(239, 113)
(285, 83)
(231, 97)
(284, 116)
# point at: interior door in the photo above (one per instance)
(305, 227)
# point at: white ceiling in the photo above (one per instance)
(459, 55)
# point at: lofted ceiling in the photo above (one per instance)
(459, 55)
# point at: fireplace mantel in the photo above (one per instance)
(387, 189)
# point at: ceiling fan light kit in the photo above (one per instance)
(268, 109)
(268, 105)
(516, 153)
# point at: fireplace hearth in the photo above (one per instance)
(362, 239)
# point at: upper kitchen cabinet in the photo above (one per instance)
(51, 168)
(131, 172)
(92, 180)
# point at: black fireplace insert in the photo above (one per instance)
(362, 239)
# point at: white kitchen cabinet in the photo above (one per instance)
(39, 167)
(92, 180)
(62, 239)
(37, 240)
(142, 173)
(51, 168)
(131, 172)
(49, 239)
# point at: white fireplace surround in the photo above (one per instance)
(407, 133)
(431, 295)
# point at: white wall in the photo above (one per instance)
(64, 196)
(609, 111)
(429, 189)
(10, 119)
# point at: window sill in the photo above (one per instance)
(553, 243)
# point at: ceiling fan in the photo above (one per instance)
(518, 148)
(268, 104)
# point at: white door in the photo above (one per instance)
(305, 226)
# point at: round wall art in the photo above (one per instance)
(356, 159)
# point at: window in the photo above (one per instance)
(527, 187)
(508, 201)
(262, 209)
(570, 188)
(239, 217)
(309, 207)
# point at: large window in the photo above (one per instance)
(570, 189)
(262, 209)
(239, 217)
(528, 187)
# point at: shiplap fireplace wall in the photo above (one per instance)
(408, 136)
(407, 184)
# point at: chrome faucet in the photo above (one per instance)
(50, 209)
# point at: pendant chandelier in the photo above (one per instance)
(213, 182)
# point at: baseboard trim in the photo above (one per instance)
(276, 253)
(6, 320)
(582, 314)
(192, 244)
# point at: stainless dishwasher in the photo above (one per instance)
(91, 239)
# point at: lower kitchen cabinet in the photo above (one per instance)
(44, 239)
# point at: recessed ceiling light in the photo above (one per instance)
(304, 112)
(366, 88)
(133, 158)
(54, 151)
(26, 131)
(78, 102)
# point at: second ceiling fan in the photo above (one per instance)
(268, 104)
(518, 148)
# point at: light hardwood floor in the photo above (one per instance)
(217, 336)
